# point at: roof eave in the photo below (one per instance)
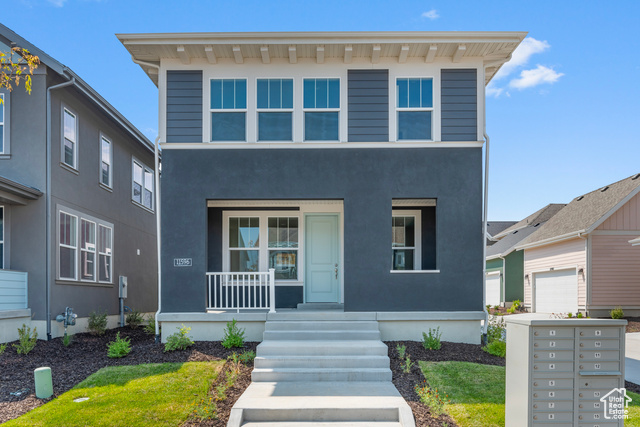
(550, 240)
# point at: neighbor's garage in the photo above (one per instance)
(493, 288)
(556, 291)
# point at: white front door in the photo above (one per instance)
(322, 270)
(556, 291)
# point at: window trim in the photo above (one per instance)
(75, 143)
(398, 110)
(230, 110)
(417, 248)
(110, 141)
(80, 216)
(276, 110)
(3, 216)
(321, 110)
(5, 121)
(145, 168)
(95, 263)
(263, 248)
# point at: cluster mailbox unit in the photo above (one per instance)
(560, 372)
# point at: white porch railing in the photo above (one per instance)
(13, 290)
(236, 291)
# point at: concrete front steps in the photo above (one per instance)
(318, 369)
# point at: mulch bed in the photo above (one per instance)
(633, 325)
(86, 355)
(406, 382)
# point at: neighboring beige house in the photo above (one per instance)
(581, 259)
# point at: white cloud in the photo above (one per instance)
(432, 14)
(57, 3)
(534, 77)
(492, 90)
(521, 55)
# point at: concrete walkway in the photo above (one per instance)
(632, 358)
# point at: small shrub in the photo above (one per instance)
(3, 347)
(97, 323)
(497, 348)
(27, 340)
(402, 350)
(432, 341)
(150, 327)
(119, 348)
(432, 399)
(617, 313)
(247, 357)
(569, 315)
(178, 340)
(516, 305)
(579, 315)
(233, 336)
(496, 307)
(496, 330)
(134, 318)
(66, 340)
(407, 365)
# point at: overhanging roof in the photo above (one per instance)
(493, 48)
(15, 193)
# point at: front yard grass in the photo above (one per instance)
(150, 394)
(634, 410)
(476, 392)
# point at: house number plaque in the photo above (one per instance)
(182, 262)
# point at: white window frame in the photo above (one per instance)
(145, 168)
(2, 233)
(79, 217)
(263, 247)
(4, 122)
(321, 110)
(88, 250)
(399, 110)
(74, 166)
(230, 110)
(108, 140)
(417, 249)
(276, 110)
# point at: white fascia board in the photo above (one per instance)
(492, 257)
(550, 240)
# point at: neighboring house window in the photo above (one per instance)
(85, 248)
(2, 107)
(106, 156)
(142, 185)
(275, 109)
(1, 237)
(405, 243)
(321, 109)
(283, 247)
(70, 140)
(68, 246)
(228, 109)
(262, 240)
(414, 106)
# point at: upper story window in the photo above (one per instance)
(275, 109)
(106, 157)
(142, 186)
(321, 109)
(70, 140)
(228, 109)
(2, 105)
(414, 106)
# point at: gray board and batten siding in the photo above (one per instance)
(184, 106)
(459, 104)
(368, 105)
(366, 180)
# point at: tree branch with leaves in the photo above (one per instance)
(16, 66)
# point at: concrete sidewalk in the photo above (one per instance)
(632, 358)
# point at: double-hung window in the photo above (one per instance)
(244, 244)
(142, 186)
(228, 109)
(414, 107)
(70, 140)
(405, 243)
(283, 247)
(106, 156)
(2, 107)
(275, 109)
(1, 237)
(321, 109)
(85, 248)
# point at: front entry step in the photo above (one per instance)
(318, 306)
(321, 424)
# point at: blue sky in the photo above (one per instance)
(561, 118)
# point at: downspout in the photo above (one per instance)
(485, 202)
(158, 243)
(48, 268)
(585, 270)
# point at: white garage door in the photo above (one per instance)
(556, 291)
(493, 289)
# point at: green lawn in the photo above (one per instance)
(142, 395)
(634, 410)
(476, 391)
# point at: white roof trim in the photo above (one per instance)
(268, 203)
(556, 239)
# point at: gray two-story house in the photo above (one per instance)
(322, 170)
(76, 203)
